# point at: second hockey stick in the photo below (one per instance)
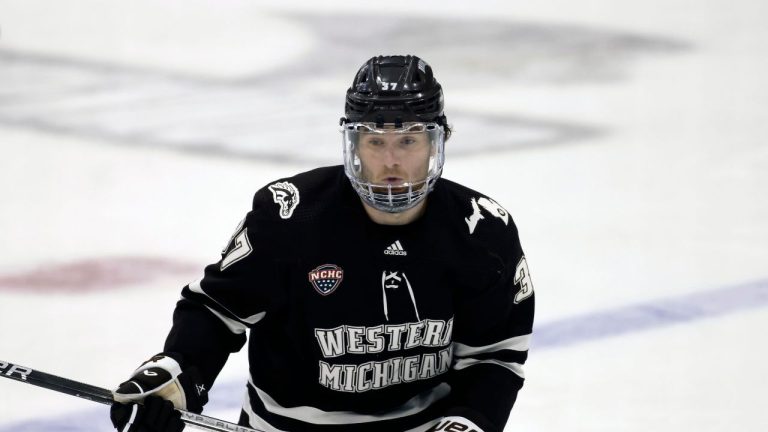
(104, 396)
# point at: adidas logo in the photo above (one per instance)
(395, 249)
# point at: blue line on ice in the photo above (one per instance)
(594, 326)
(650, 315)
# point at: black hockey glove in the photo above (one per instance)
(161, 377)
(156, 415)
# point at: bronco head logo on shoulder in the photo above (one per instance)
(326, 278)
(285, 194)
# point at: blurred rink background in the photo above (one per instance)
(627, 139)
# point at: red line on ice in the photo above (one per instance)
(96, 274)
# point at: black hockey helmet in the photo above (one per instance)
(394, 89)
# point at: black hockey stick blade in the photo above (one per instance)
(104, 396)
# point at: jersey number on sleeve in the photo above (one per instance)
(523, 278)
(242, 247)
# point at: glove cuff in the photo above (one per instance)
(194, 390)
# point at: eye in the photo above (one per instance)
(375, 142)
(408, 140)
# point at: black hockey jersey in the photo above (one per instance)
(360, 326)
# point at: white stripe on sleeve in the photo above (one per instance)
(516, 368)
(235, 326)
(463, 354)
(517, 343)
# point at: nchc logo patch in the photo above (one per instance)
(326, 278)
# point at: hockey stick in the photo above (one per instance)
(104, 396)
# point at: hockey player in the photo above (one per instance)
(378, 296)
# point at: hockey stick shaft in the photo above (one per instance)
(104, 396)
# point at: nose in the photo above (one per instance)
(391, 155)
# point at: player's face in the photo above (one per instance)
(394, 158)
